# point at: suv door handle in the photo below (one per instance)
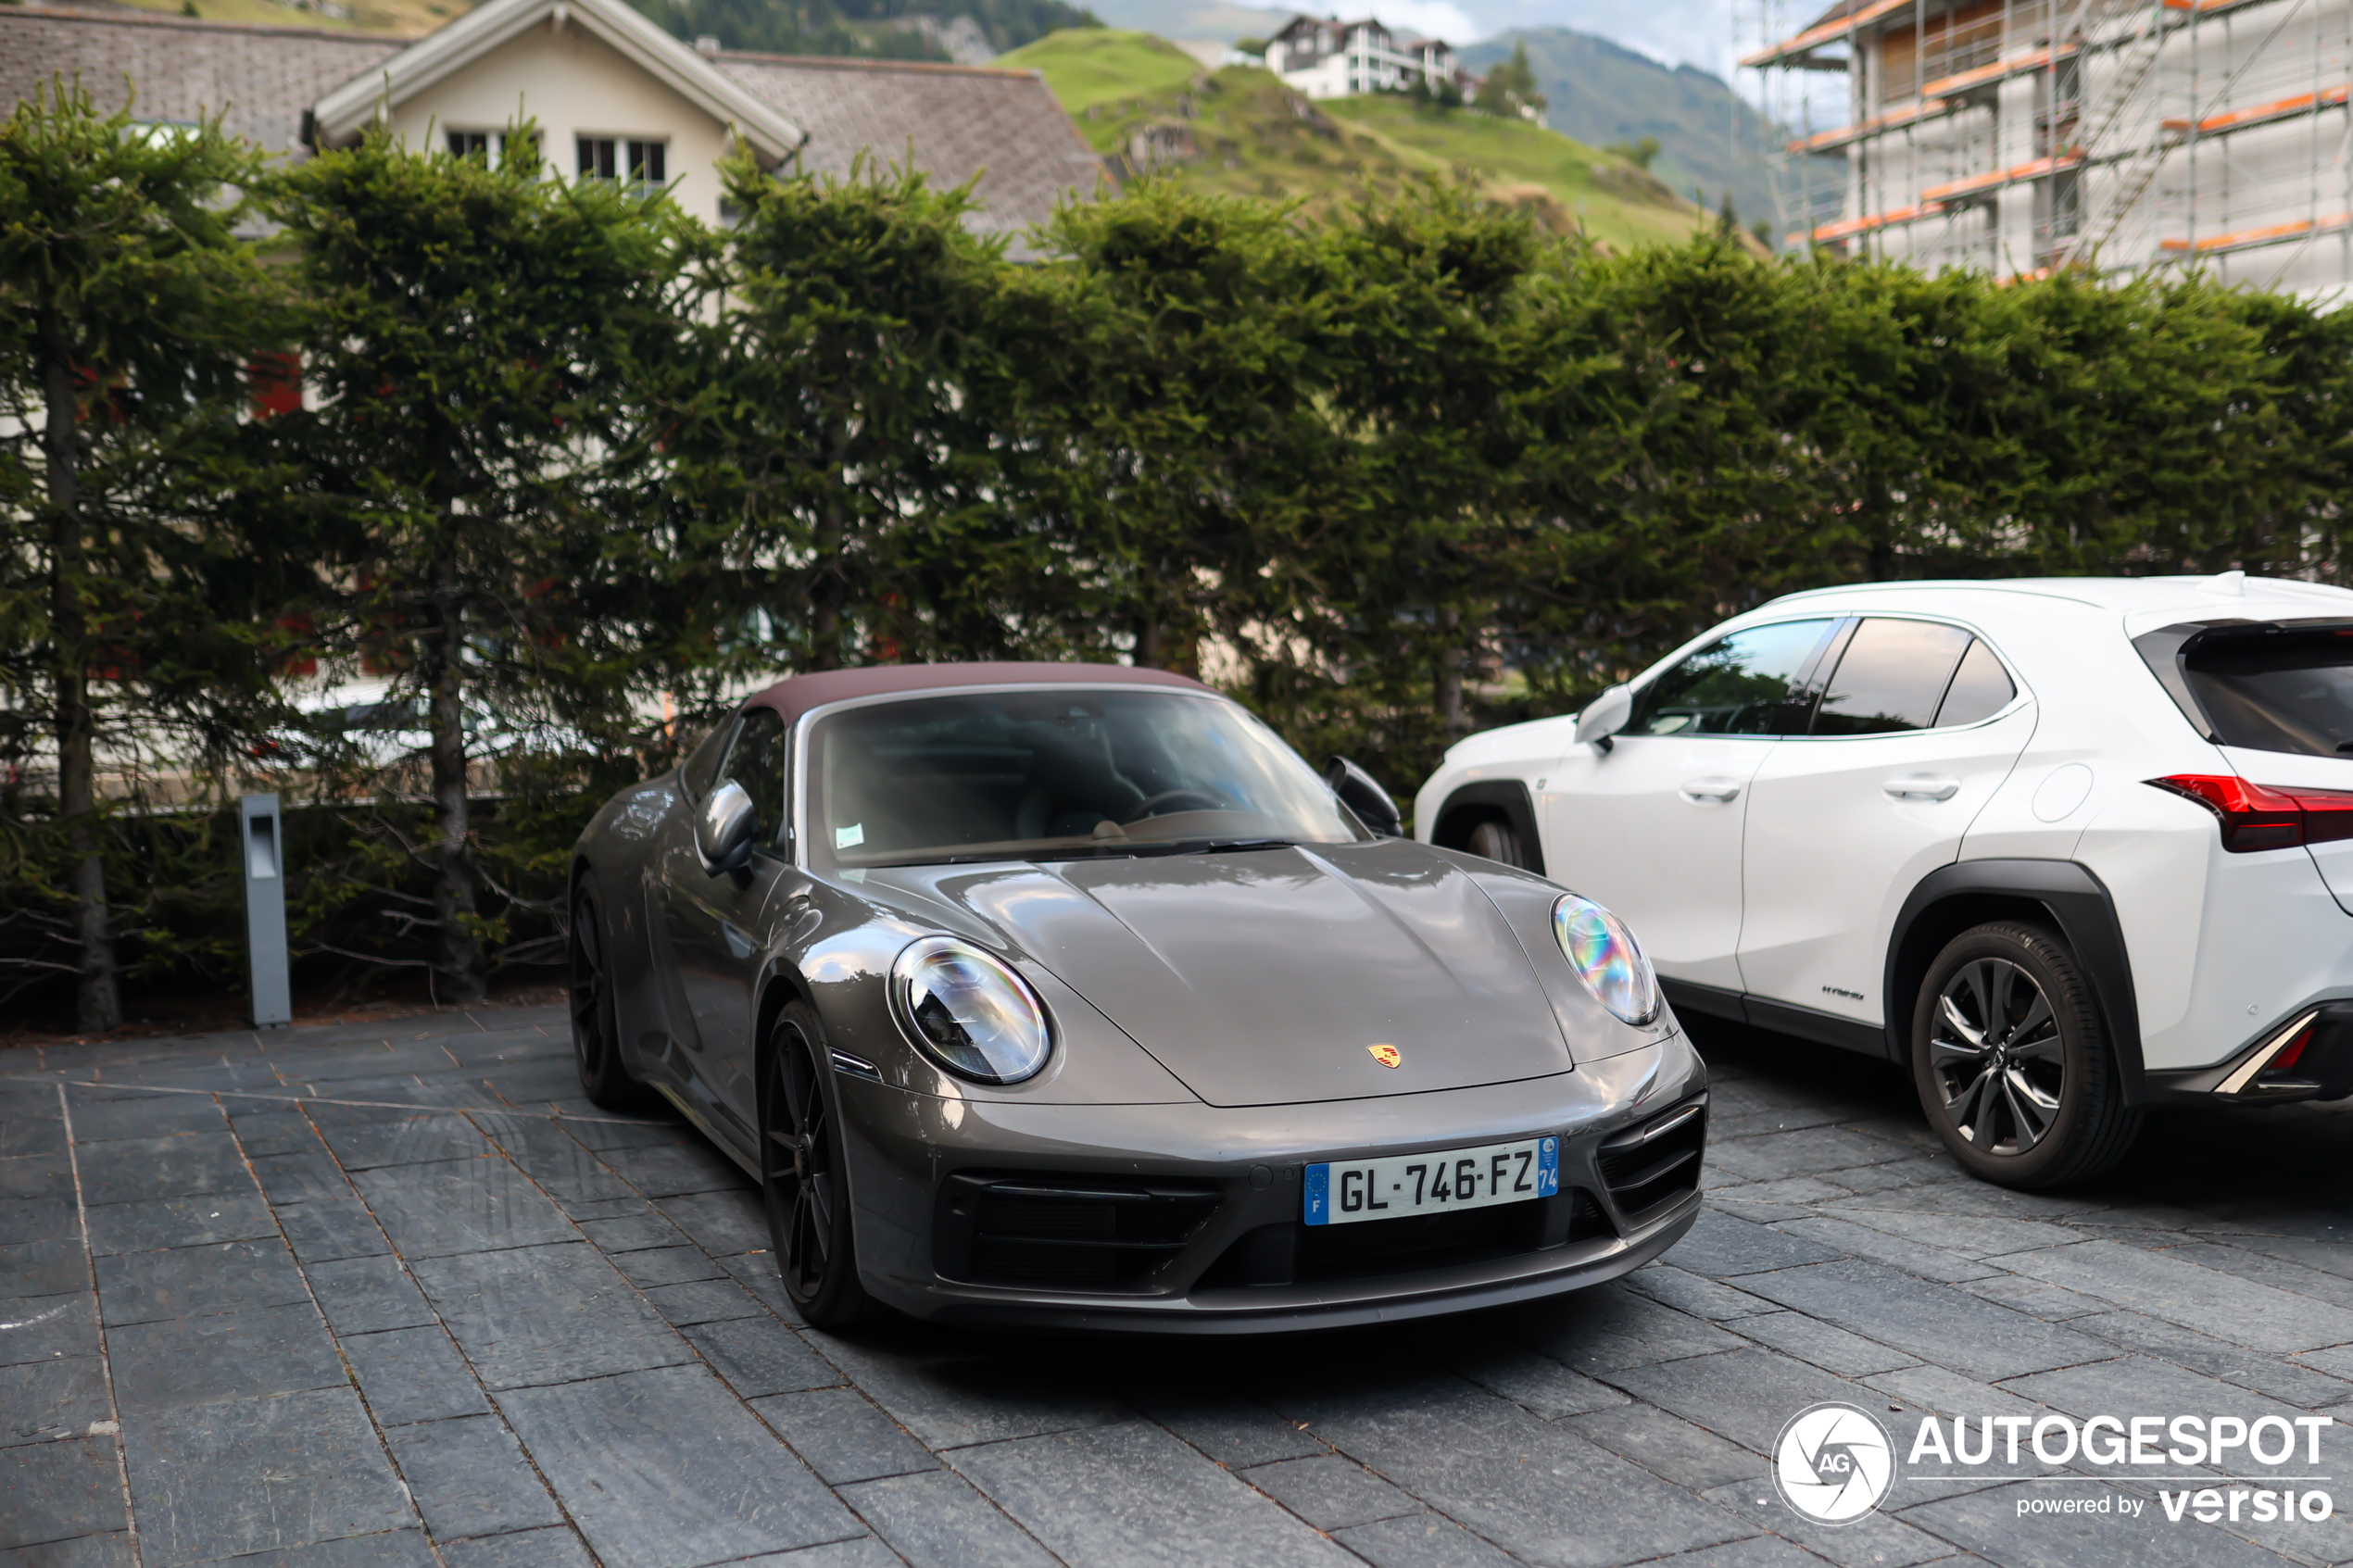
(1711, 791)
(1921, 787)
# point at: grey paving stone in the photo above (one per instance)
(526, 1548)
(188, 1281)
(36, 1175)
(41, 1328)
(664, 1265)
(56, 1491)
(179, 1166)
(1536, 1381)
(1719, 1246)
(1746, 1394)
(1916, 1171)
(1234, 1434)
(1329, 1492)
(1094, 1495)
(413, 1375)
(44, 1401)
(307, 1177)
(1956, 1228)
(249, 1476)
(620, 1232)
(1933, 1322)
(323, 1230)
(1833, 1349)
(180, 1221)
(1861, 1241)
(1988, 1522)
(410, 1140)
(756, 1271)
(758, 1356)
(563, 1170)
(382, 1548)
(936, 1520)
(43, 1268)
(1876, 1541)
(664, 1469)
(2282, 1274)
(111, 1550)
(266, 1130)
(1757, 1552)
(2265, 1375)
(704, 1301)
(174, 1362)
(1668, 1446)
(1602, 1330)
(1804, 1152)
(363, 1295)
(143, 1116)
(842, 1436)
(547, 1315)
(1960, 1200)
(38, 1219)
(1689, 1293)
(2143, 1385)
(950, 1400)
(605, 1131)
(669, 1170)
(2035, 1299)
(2225, 1306)
(862, 1551)
(458, 1206)
(1419, 1540)
(719, 1223)
(469, 1479)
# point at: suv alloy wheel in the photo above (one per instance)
(2011, 1062)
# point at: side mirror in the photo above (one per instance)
(723, 829)
(1605, 716)
(1360, 795)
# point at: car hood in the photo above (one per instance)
(1264, 977)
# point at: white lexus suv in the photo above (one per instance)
(2064, 848)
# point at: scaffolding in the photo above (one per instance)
(2018, 136)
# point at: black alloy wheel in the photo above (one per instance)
(2012, 1062)
(803, 1176)
(596, 1021)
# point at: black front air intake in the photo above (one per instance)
(1062, 1232)
(1652, 1164)
(1292, 1253)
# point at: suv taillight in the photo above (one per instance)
(2254, 817)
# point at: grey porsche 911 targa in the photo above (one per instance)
(1068, 995)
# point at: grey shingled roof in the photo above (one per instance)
(262, 78)
(958, 120)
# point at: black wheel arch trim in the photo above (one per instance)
(2077, 902)
(1509, 797)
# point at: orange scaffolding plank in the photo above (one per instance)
(1996, 178)
(2261, 114)
(1845, 228)
(1822, 141)
(2017, 65)
(2248, 239)
(1829, 32)
(1932, 101)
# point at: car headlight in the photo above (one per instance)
(1605, 956)
(967, 1011)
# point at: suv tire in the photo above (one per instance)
(2012, 1061)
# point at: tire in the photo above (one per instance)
(803, 1178)
(1496, 840)
(2012, 1061)
(596, 1016)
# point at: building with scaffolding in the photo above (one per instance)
(2016, 136)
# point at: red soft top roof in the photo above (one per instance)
(799, 694)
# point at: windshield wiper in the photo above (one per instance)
(1203, 846)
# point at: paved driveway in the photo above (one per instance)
(360, 1296)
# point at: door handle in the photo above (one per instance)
(739, 942)
(1711, 791)
(1921, 787)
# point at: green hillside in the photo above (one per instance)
(1241, 131)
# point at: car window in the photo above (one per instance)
(1054, 775)
(2278, 691)
(756, 760)
(703, 762)
(1979, 689)
(1892, 677)
(1748, 683)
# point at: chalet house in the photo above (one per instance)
(1338, 59)
(614, 97)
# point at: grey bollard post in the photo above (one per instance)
(264, 860)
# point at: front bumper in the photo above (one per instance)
(1208, 1202)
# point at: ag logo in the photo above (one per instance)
(1387, 1056)
(1833, 1463)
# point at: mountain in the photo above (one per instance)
(1241, 131)
(1608, 95)
(1218, 20)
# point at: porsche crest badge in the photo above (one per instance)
(1387, 1056)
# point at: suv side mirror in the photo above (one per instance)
(1360, 795)
(1605, 716)
(724, 828)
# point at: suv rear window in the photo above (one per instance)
(2278, 691)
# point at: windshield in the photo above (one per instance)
(1055, 776)
(2280, 691)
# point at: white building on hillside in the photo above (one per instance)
(1337, 59)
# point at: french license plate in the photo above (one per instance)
(1341, 1193)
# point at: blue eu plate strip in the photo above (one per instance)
(1319, 1194)
(1548, 1167)
(1318, 1208)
